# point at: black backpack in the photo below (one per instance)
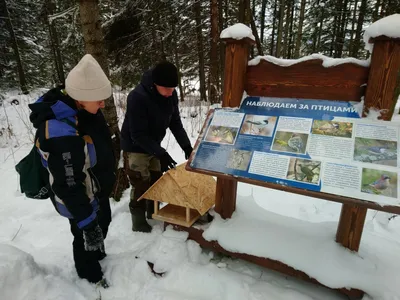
(33, 175)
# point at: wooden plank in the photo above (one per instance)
(314, 194)
(351, 225)
(197, 235)
(308, 80)
(176, 215)
(384, 80)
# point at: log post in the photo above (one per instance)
(383, 86)
(351, 225)
(236, 59)
(383, 89)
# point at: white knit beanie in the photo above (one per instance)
(87, 81)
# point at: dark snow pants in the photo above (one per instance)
(87, 262)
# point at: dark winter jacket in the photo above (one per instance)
(81, 163)
(147, 118)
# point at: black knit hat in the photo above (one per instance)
(165, 74)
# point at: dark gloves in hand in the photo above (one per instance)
(167, 162)
(188, 150)
(93, 238)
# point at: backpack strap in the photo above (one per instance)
(70, 123)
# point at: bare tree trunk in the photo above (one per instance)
(5, 14)
(213, 75)
(280, 28)
(176, 52)
(353, 24)
(375, 14)
(383, 8)
(200, 50)
(336, 25)
(273, 28)
(54, 41)
(300, 30)
(320, 29)
(290, 46)
(242, 11)
(226, 9)
(357, 39)
(93, 38)
(255, 33)
(262, 20)
(159, 31)
(315, 33)
(287, 23)
(342, 30)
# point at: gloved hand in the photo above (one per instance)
(93, 238)
(188, 150)
(167, 162)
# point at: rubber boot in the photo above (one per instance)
(138, 208)
(139, 222)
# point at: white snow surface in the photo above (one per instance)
(388, 26)
(327, 62)
(305, 245)
(238, 31)
(36, 244)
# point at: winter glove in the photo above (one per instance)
(188, 150)
(167, 162)
(93, 238)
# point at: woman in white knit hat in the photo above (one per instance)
(75, 144)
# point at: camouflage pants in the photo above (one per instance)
(143, 171)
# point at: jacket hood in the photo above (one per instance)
(147, 81)
(52, 105)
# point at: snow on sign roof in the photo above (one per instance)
(388, 26)
(326, 61)
(238, 31)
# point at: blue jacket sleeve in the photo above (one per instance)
(66, 164)
(176, 127)
(139, 127)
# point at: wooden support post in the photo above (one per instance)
(351, 225)
(383, 89)
(155, 207)
(383, 86)
(236, 58)
(187, 214)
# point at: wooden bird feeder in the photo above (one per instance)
(188, 196)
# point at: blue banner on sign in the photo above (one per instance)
(267, 139)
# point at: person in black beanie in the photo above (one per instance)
(152, 107)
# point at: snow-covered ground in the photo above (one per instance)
(36, 245)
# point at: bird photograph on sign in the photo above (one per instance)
(239, 159)
(258, 125)
(332, 128)
(221, 134)
(305, 170)
(375, 151)
(379, 182)
(290, 142)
